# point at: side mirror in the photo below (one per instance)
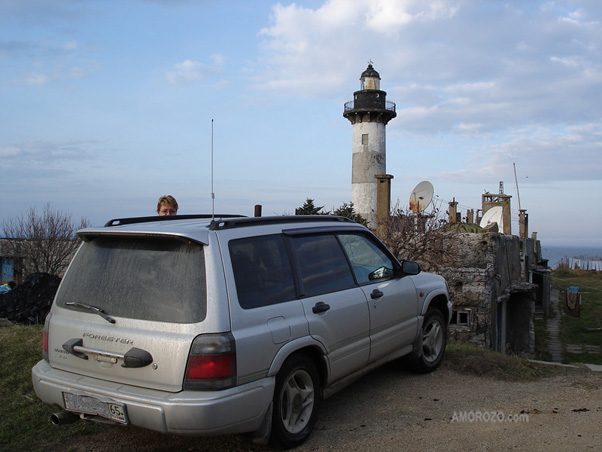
(410, 268)
(380, 273)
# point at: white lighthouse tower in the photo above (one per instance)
(369, 113)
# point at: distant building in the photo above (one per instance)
(10, 264)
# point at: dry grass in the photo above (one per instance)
(25, 422)
(467, 358)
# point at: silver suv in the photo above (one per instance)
(194, 326)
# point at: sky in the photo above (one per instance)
(105, 105)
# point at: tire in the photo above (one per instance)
(433, 340)
(297, 399)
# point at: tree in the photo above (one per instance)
(309, 209)
(347, 211)
(416, 236)
(46, 241)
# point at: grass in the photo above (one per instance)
(25, 425)
(468, 358)
(587, 328)
(542, 352)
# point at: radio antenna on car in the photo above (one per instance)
(212, 192)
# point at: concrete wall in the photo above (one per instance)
(491, 282)
(369, 159)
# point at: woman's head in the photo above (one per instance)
(167, 205)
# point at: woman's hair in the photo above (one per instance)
(167, 199)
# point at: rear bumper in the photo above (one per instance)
(235, 410)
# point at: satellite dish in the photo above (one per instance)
(421, 196)
(491, 217)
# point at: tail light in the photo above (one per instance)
(211, 363)
(45, 337)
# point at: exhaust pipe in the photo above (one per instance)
(63, 417)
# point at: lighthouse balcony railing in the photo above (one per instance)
(390, 106)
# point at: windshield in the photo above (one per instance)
(140, 278)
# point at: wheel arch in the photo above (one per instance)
(438, 301)
(312, 349)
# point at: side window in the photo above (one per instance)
(369, 262)
(262, 271)
(322, 264)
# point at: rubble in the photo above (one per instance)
(29, 302)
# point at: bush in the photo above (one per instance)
(45, 242)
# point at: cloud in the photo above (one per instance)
(48, 153)
(449, 64)
(218, 59)
(44, 169)
(314, 51)
(311, 52)
(51, 61)
(35, 79)
(9, 151)
(188, 71)
(537, 152)
(71, 45)
(390, 15)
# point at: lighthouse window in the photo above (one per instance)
(364, 138)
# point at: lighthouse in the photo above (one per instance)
(369, 112)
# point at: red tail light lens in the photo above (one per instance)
(211, 363)
(209, 367)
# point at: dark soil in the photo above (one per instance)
(29, 302)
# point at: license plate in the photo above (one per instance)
(91, 405)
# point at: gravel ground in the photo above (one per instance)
(391, 409)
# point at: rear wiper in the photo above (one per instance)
(89, 307)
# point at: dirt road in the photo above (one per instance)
(391, 409)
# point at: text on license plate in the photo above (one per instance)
(91, 405)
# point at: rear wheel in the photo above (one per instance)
(297, 400)
(432, 344)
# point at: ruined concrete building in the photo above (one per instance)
(497, 280)
(496, 283)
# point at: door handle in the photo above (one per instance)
(319, 307)
(133, 358)
(376, 294)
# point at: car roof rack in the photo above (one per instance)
(230, 223)
(134, 220)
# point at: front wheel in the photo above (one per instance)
(432, 344)
(297, 399)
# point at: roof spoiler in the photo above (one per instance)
(134, 220)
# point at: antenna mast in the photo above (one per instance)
(516, 182)
(212, 192)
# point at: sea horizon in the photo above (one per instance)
(558, 253)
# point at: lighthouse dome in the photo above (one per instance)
(370, 78)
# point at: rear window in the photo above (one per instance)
(140, 278)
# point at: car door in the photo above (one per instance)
(392, 300)
(335, 307)
(265, 311)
